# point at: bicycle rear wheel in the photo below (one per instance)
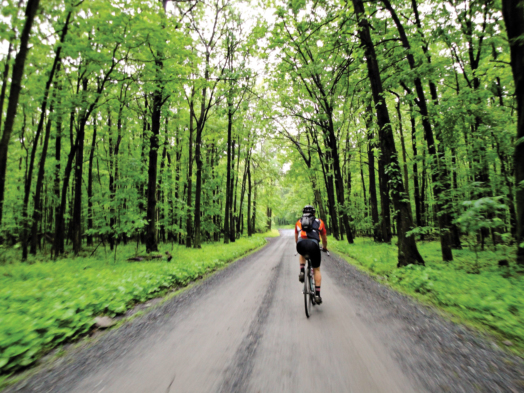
(312, 289)
(307, 295)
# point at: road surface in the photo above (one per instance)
(244, 330)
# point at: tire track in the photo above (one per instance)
(239, 371)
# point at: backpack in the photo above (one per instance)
(307, 223)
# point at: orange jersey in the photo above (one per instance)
(303, 234)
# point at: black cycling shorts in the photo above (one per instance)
(309, 247)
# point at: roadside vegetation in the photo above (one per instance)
(44, 303)
(476, 289)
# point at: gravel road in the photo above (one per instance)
(244, 330)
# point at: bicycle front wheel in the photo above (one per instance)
(307, 296)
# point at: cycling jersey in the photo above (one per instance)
(319, 229)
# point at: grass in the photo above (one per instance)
(45, 303)
(478, 292)
(291, 226)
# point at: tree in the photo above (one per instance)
(14, 93)
(407, 248)
(513, 12)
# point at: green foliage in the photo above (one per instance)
(492, 298)
(481, 214)
(47, 303)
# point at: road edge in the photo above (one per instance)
(476, 328)
(137, 311)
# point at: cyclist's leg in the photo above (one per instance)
(301, 260)
(315, 261)
(318, 276)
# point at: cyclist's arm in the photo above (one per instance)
(296, 236)
(324, 241)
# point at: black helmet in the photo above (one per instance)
(308, 209)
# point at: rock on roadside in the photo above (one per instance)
(104, 322)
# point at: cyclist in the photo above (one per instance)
(308, 232)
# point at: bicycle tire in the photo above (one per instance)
(312, 290)
(307, 295)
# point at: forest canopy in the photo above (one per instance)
(201, 121)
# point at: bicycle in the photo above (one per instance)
(309, 285)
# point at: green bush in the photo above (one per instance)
(492, 297)
(47, 303)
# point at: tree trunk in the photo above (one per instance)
(59, 227)
(254, 218)
(232, 198)
(403, 145)
(423, 193)
(189, 223)
(111, 167)
(198, 186)
(176, 203)
(318, 198)
(90, 186)
(77, 206)
(249, 230)
(385, 201)
(14, 94)
(243, 191)
(5, 80)
(152, 234)
(151, 217)
(216, 193)
(58, 148)
(363, 181)
(377, 232)
(339, 186)
(201, 121)
(328, 179)
(228, 176)
(416, 187)
(513, 12)
(161, 191)
(37, 211)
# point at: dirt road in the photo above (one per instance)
(245, 330)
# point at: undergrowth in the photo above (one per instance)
(44, 303)
(480, 291)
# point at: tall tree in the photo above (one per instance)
(513, 11)
(14, 93)
(407, 248)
